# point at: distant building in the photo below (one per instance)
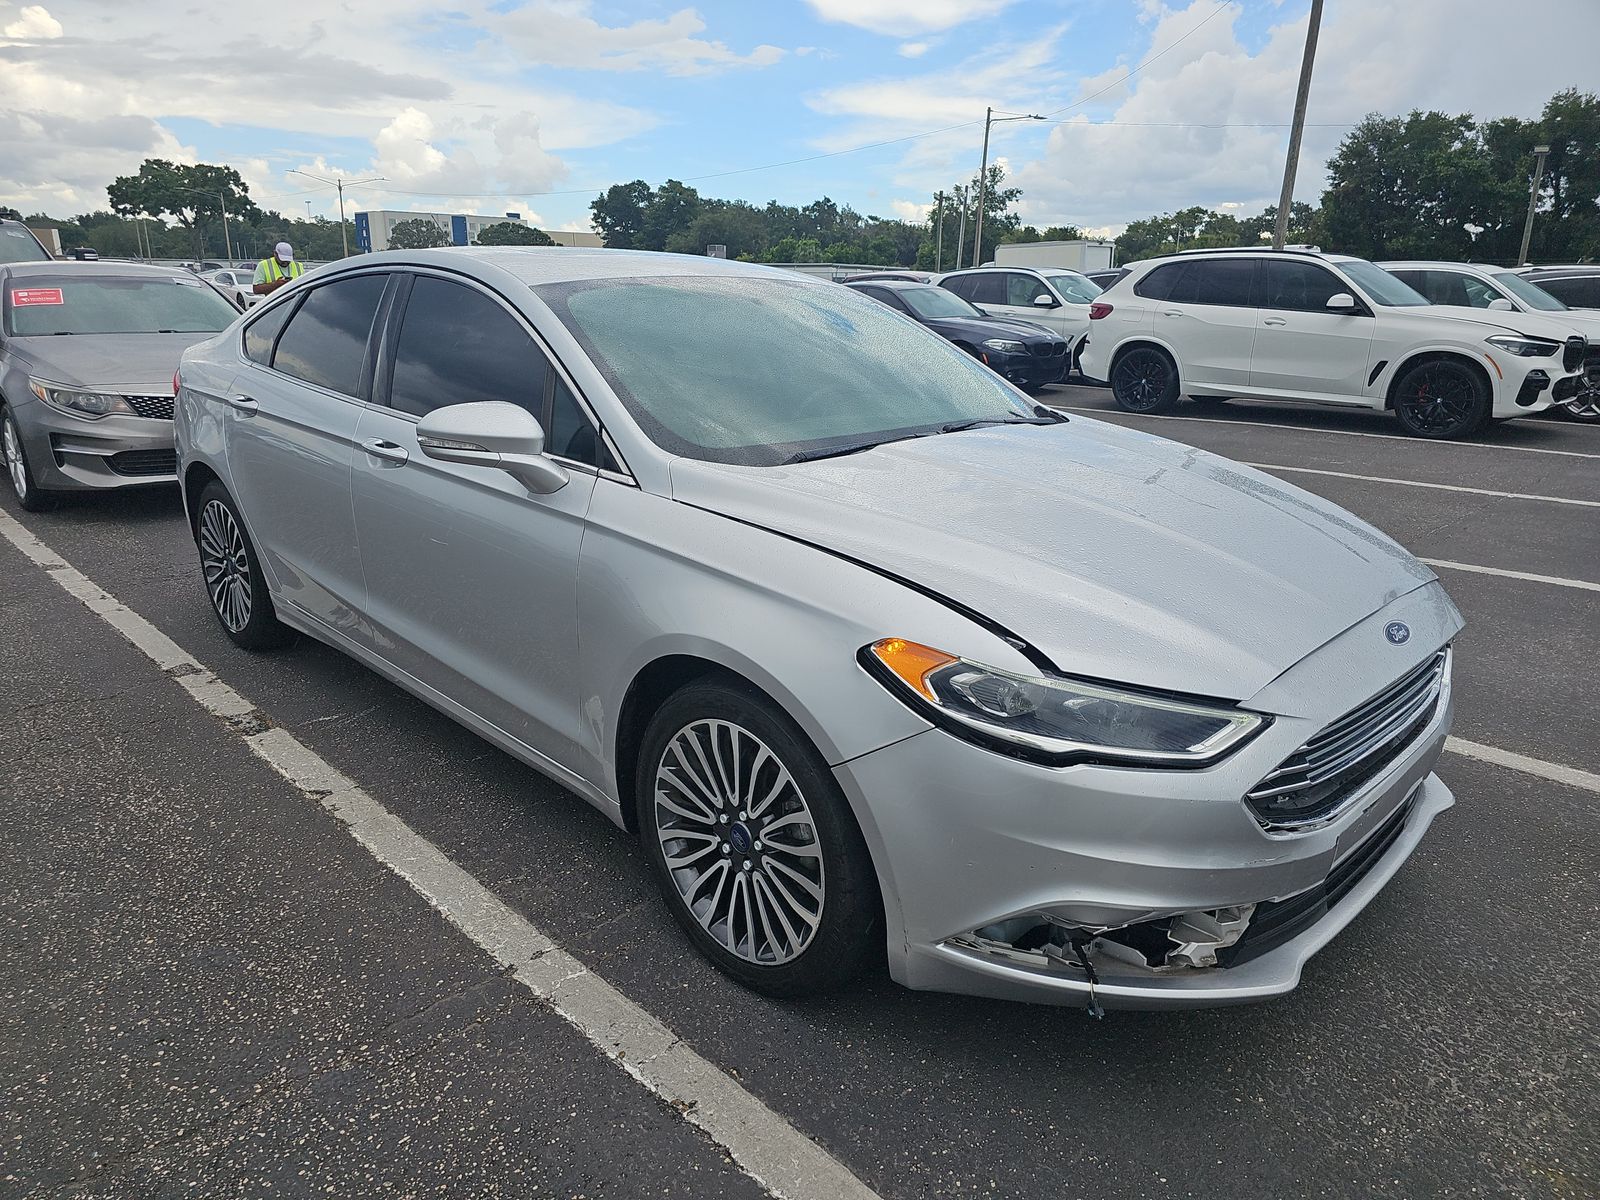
(373, 228)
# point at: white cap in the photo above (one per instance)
(284, 251)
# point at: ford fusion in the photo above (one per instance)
(879, 660)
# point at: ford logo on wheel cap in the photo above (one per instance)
(1398, 632)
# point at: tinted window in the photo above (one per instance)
(1021, 290)
(1580, 292)
(1159, 283)
(18, 245)
(1380, 286)
(989, 288)
(326, 340)
(1533, 296)
(886, 296)
(263, 331)
(1215, 281)
(458, 346)
(1298, 286)
(570, 434)
(962, 286)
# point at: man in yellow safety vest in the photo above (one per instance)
(272, 273)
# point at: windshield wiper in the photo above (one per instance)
(949, 427)
(801, 456)
(976, 422)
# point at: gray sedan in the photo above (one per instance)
(87, 357)
(879, 660)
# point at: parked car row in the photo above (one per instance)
(1301, 325)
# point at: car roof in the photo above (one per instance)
(537, 265)
(93, 266)
(894, 285)
(1575, 269)
(1442, 265)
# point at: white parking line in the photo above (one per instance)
(1442, 487)
(1391, 437)
(1555, 772)
(773, 1152)
(1557, 580)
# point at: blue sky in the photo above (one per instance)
(536, 105)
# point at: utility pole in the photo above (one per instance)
(1539, 153)
(938, 241)
(983, 177)
(338, 183)
(961, 228)
(227, 239)
(1292, 161)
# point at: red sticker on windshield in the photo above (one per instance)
(22, 297)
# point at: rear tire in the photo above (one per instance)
(18, 471)
(1442, 398)
(770, 876)
(232, 573)
(1144, 380)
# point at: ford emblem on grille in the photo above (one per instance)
(1398, 632)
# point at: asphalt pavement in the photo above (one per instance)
(207, 988)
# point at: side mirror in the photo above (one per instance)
(1341, 302)
(492, 434)
(1043, 301)
(1501, 304)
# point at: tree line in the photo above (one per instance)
(1423, 185)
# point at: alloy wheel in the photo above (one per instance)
(225, 564)
(1585, 406)
(1141, 380)
(1440, 399)
(15, 466)
(739, 841)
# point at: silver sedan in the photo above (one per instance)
(880, 660)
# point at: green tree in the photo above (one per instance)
(510, 233)
(672, 209)
(619, 214)
(419, 233)
(193, 195)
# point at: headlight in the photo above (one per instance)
(1059, 720)
(89, 405)
(1524, 347)
(1001, 346)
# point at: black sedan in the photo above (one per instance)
(1028, 355)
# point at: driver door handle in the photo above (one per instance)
(384, 449)
(244, 405)
(1274, 321)
(1172, 314)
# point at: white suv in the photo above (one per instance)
(1306, 326)
(1053, 297)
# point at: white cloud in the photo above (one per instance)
(561, 33)
(910, 210)
(913, 49)
(906, 18)
(34, 21)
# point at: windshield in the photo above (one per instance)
(761, 371)
(41, 305)
(1530, 294)
(934, 302)
(18, 245)
(1074, 288)
(1380, 286)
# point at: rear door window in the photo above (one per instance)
(457, 345)
(325, 342)
(1222, 281)
(987, 288)
(1159, 284)
(1578, 292)
(1296, 286)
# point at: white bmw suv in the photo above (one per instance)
(1301, 325)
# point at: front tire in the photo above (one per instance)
(232, 572)
(753, 844)
(18, 471)
(1144, 380)
(1442, 398)
(1584, 407)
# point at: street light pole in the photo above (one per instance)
(938, 241)
(1539, 153)
(1291, 161)
(983, 177)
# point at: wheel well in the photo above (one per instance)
(1436, 356)
(194, 482)
(648, 691)
(1123, 349)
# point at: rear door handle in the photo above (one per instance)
(243, 404)
(1172, 314)
(1274, 321)
(387, 450)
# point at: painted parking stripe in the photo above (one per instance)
(1556, 580)
(773, 1152)
(1417, 483)
(1555, 772)
(1390, 437)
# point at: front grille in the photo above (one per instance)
(1276, 921)
(1317, 779)
(1049, 349)
(1574, 353)
(144, 462)
(156, 408)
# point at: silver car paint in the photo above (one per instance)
(779, 576)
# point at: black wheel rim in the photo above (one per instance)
(1439, 399)
(1141, 380)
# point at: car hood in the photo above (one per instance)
(128, 362)
(1117, 554)
(988, 327)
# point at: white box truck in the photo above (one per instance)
(1073, 256)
